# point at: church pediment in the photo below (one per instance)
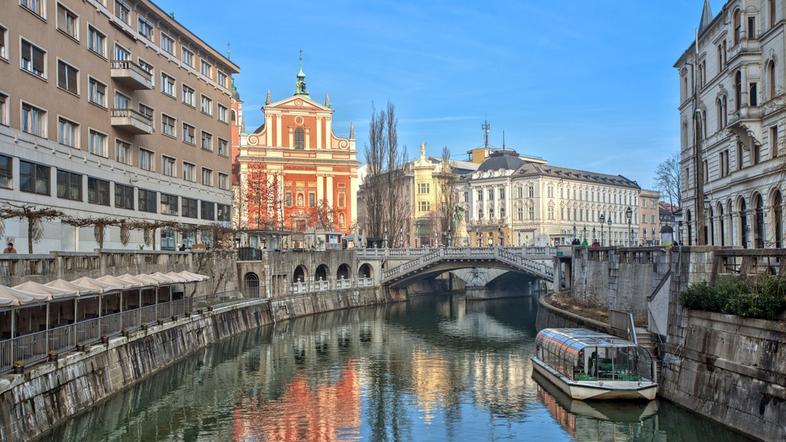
(298, 102)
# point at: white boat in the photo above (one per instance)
(591, 365)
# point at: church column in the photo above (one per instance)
(268, 130)
(278, 130)
(353, 198)
(320, 188)
(329, 196)
(328, 132)
(319, 132)
(308, 138)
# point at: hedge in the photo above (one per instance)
(762, 297)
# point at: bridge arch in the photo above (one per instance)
(321, 274)
(365, 271)
(251, 285)
(343, 271)
(300, 273)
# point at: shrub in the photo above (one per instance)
(758, 297)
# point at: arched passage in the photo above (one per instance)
(300, 274)
(741, 210)
(342, 272)
(321, 274)
(758, 221)
(251, 285)
(777, 218)
(365, 271)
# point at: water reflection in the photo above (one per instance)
(432, 369)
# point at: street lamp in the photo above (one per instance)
(574, 234)
(654, 240)
(585, 234)
(602, 221)
(608, 221)
(477, 235)
(500, 239)
(629, 216)
(706, 229)
(594, 236)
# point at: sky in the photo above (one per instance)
(582, 84)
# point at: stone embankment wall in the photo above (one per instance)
(33, 403)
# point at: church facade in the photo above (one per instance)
(293, 172)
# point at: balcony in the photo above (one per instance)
(132, 121)
(131, 75)
(746, 125)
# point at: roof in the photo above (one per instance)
(533, 169)
(580, 338)
(501, 159)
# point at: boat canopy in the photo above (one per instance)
(580, 338)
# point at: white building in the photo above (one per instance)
(732, 79)
(511, 201)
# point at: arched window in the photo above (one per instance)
(737, 90)
(719, 107)
(725, 114)
(758, 221)
(772, 13)
(300, 138)
(771, 81)
(531, 213)
(777, 219)
(737, 26)
(251, 288)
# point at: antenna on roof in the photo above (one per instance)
(503, 139)
(486, 126)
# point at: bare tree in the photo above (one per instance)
(259, 192)
(667, 178)
(35, 217)
(447, 215)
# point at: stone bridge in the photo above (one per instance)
(534, 261)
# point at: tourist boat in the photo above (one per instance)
(590, 365)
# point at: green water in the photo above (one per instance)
(434, 369)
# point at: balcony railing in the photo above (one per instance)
(131, 75)
(132, 121)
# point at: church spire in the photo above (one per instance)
(300, 84)
(706, 16)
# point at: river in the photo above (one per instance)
(432, 369)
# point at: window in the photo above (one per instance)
(423, 206)
(205, 69)
(551, 212)
(755, 154)
(67, 77)
(34, 178)
(145, 159)
(222, 114)
(148, 201)
(531, 192)
(124, 197)
(751, 28)
(67, 132)
(753, 94)
(207, 141)
(96, 92)
(520, 213)
(69, 185)
(491, 194)
(223, 181)
(189, 207)
(531, 213)
(168, 125)
(299, 138)
(32, 59)
(3, 42)
(168, 166)
(96, 41)
(147, 67)
(122, 101)
(122, 152)
(188, 96)
(67, 21)
(771, 8)
(188, 57)
(502, 193)
(33, 120)
(188, 134)
(771, 80)
(423, 188)
(288, 199)
(97, 143)
(312, 199)
(121, 53)
(6, 171)
(737, 90)
(38, 7)
(207, 177)
(146, 111)
(224, 212)
(342, 197)
(169, 204)
(774, 142)
(208, 210)
(737, 26)
(145, 28)
(167, 85)
(223, 148)
(97, 191)
(706, 171)
(188, 172)
(222, 79)
(122, 11)
(480, 195)
(206, 105)
(168, 44)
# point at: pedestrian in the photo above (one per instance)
(9, 248)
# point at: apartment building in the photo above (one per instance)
(112, 108)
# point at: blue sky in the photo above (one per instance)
(583, 84)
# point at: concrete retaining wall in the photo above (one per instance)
(33, 403)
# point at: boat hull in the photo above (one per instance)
(584, 390)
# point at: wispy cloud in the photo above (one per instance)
(439, 119)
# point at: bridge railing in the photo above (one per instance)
(323, 285)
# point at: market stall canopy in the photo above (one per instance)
(177, 277)
(102, 287)
(113, 280)
(40, 291)
(161, 278)
(193, 276)
(13, 298)
(138, 281)
(62, 284)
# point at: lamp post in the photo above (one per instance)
(385, 238)
(585, 234)
(574, 234)
(608, 221)
(477, 235)
(500, 239)
(629, 216)
(654, 240)
(602, 221)
(707, 238)
(594, 236)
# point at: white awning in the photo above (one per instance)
(193, 276)
(138, 281)
(43, 292)
(115, 281)
(177, 277)
(62, 284)
(102, 287)
(13, 298)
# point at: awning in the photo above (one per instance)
(194, 277)
(138, 281)
(42, 292)
(177, 277)
(13, 298)
(62, 284)
(161, 278)
(102, 287)
(109, 279)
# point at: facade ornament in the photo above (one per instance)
(300, 83)
(267, 99)
(327, 100)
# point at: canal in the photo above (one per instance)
(436, 369)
